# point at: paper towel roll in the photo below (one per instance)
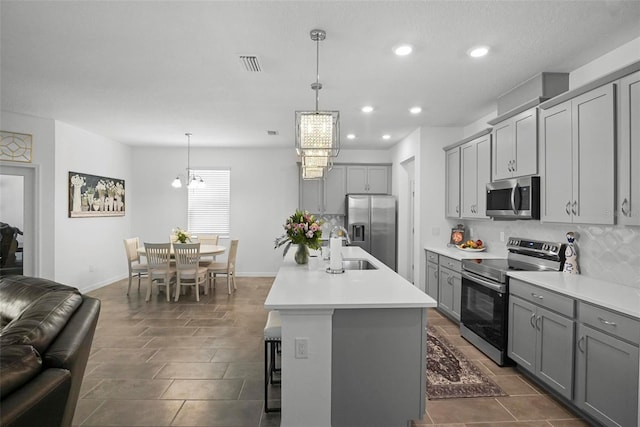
(335, 247)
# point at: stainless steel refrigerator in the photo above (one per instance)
(371, 223)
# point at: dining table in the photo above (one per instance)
(205, 250)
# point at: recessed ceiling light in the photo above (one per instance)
(478, 51)
(403, 50)
(351, 136)
(415, 110)
(386, 136)
(367, 109)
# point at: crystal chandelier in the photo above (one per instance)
(192, 180)
(317, 132)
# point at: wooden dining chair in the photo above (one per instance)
(188, 269)
(207, 239)
(228, 268)
(159, 266)
(136, 266)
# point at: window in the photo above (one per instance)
(210, 207)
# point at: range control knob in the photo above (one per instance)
(554, 248)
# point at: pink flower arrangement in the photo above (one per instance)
(301, 228)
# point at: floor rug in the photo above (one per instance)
(451, 375)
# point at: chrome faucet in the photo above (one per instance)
(340, 231)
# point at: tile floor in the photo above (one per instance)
(201, 364)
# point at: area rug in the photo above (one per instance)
(451, 375)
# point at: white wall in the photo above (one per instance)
(90, 252)
(264, 192)
(43, 149)
(405, 151)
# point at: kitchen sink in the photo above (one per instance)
(357, 264)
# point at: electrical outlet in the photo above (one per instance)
(302, 348)
(502, 236)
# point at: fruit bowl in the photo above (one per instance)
(471, 249)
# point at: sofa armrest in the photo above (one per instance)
(71, 349)
(40, 402)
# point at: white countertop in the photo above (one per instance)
(621, 298)
(459, 254)
(311, 287)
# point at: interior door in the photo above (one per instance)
(18, 218)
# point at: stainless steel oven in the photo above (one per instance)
(484, 311)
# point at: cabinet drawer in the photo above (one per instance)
(543, 297)
(609, 321)
(450, 263)
(432, 257)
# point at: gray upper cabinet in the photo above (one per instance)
(452, 183)
(515, 146)
(628, 203)
(325, 196)
(607, 366)
(372, 179)
(335, 189)
(475, 173)
(541, 334)
(577, 142)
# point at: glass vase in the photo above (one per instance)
(302, 254)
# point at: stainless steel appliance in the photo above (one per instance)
(371, 223)
(485, 292)
(517, 198)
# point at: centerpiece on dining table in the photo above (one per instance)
(304, 230)
(180, 235)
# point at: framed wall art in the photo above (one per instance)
(93, 195)
(16, 147)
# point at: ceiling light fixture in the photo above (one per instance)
(351, 136)
(403, 50)
(317, 132)
(415, 110)
(478, 52)
(367, 109)
(386, 136)
(192, 180)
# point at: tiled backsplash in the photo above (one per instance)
(610, 253)
(330, 221)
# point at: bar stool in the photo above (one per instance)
(272, 339)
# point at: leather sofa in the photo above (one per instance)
(46, 331)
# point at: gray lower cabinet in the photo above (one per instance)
(541, 334)
(607, 366)
(431, 282)
(378, 367)
(449, 287)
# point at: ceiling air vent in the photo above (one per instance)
(272, 132)
(250, 63)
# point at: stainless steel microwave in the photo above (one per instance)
(514, 198)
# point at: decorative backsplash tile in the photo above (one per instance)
(610, 253)
(330, 221)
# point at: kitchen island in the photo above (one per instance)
(363, 342)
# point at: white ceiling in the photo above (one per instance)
(146, 72)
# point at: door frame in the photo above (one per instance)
(31, 209)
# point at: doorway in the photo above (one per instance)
(409, 216)
(18, 220)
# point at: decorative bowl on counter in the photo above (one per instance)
(471, 249)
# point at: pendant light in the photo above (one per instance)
(192, 180)
(317, 132)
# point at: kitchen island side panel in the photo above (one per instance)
(378, 366)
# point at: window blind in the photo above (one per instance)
(210, 207)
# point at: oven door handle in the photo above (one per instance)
(498, 287)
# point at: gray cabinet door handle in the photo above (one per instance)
(531, 320)
(574, 207)
(539, 318)
(624, 208)
(513, 166)
(581, 340)
(567, 208)
(607, 322)
(537, 296)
